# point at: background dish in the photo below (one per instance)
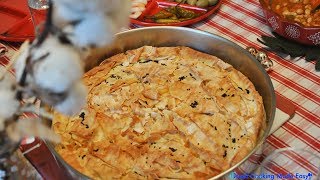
(155, 6)
(290, 29)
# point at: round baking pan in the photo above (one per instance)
(212, 44)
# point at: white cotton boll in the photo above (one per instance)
(65, 13)
(93, 30)
(75, 9)
(76, 5)
(60, 69)
(31, 127)
(74, 101)
(88, 5)
(98, 20)
(8, 103)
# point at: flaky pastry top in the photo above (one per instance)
(162, 112)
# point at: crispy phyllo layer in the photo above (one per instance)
(162, 112)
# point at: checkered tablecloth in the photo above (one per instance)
(242, 21)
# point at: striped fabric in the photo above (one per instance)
(242, 21)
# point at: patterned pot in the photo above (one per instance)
(289, 29)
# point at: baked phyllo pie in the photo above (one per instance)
(162, 112)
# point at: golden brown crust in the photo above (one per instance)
(165, 112)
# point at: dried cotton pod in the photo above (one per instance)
(30, 127)
(75, 100)
(8, 102)
(71, 11)
(83, 35)
(62, 15)
(91, 23)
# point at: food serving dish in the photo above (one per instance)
(201, 41)
(155, 6)
(309, 35)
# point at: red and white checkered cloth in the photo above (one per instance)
(242, 21)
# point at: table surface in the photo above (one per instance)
(242, 21)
